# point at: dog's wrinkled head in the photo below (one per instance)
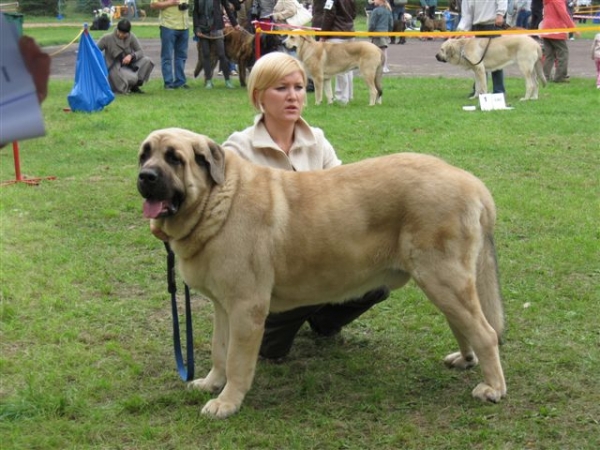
(448, 50)
(177, 169)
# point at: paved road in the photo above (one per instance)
(415, 58)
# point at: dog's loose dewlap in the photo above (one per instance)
(255, 239)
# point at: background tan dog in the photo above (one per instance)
(324, 60)
(483, 55)
(255, 239)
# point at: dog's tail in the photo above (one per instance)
(539, 70)
(488, 286)
(378, 78)
(539, 67)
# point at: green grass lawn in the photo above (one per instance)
(86, 355)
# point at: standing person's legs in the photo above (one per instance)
(343, 83)
(598, 72)
(548, 57)
(536, 18)
(386, 68)
(431, 12)
(167, 38)
(206, 63)
(219, 41)
(498, 82)
(562, 58)
(181, 50)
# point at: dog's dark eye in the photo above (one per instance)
(201, 160)
(145, 153)
(172, 157)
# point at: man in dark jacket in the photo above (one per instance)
(339, 15)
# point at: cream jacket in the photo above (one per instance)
(310, 150)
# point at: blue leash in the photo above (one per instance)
(186, 374)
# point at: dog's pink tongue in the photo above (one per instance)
(152, 208)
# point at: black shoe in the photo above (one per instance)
(183, 86)
(137, 90)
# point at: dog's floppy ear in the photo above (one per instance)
(450, 51)
(209, 153)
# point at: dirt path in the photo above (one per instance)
(415, 58)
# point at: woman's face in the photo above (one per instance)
(284, 101)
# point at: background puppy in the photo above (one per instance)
(399, 27)
(428, 24)
(239, 49)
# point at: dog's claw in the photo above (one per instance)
(487, 393)
(457, 361)
(205, 384)
(219, 409)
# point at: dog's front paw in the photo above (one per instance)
(487, 393)
(210, 384)
(220, 409)
(458, 361)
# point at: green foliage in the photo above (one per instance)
(38, 7)
(85, 347)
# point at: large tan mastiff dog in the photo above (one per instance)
(324, 60)
(255, 239)
(483, 55)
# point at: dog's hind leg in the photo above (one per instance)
(530, 85)
(460, 278)
(527, 68)
(454, 292)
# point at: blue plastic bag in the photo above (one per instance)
(91, 91)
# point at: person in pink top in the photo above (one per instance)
(596, 58)
(556, 50)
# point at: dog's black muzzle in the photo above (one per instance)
(152, 184)
(440, 59)
(161, 199)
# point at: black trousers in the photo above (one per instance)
(326, 320)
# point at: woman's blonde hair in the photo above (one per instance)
(268, 71)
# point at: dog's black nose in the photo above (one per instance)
(148, 176)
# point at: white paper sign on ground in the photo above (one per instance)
(492, 102)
